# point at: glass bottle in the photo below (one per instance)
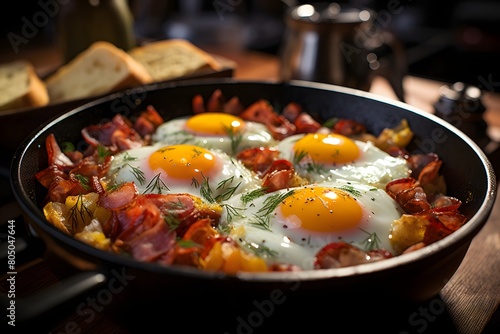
(82, 22)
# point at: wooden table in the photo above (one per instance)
(472, 295)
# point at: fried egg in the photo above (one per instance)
(182, 168)
(213, 130)
(326, 157)
(292, 225)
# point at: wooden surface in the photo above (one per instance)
(471, 296)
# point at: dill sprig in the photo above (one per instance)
(258, 249)
(78, 211)
(252, 195)
(310, 165)
(67, 147)
(262, 222)
(138, 174)
(224, 228)
(102, 152)
(196, 152)
(371, 242)
(263, 216)
(170, 218)
(206, 191)
(272, 202)
(156, 185)
(232, 212)
(234, 137)
(84, 182)
(172, 221)
(351, 190)
(298, 157)
(329, 123)
(127, 157)
(115, 186)
(228, 192)
(187, 243)
(314, 167)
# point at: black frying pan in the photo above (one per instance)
(142, 294)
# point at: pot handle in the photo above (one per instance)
(49, 300)
(389, 61)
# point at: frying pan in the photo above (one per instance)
(382, 295)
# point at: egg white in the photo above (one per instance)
(286, 242)
(373, 167)
(132, 166)
(175, 132)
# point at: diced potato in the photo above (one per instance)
(213, 261)
(95, 239)
(101, 214)
(400, 135)
(76, 213)
(55, 213)
(231, 259)
(407, 231)
(81, 210)
(252, 263)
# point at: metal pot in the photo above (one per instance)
(340, 44)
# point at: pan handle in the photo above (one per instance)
(47, 301)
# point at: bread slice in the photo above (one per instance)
(100, 69)
(173, 58)
(20, 86)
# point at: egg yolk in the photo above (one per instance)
(213, 123)
(183, 161)
(327, 148)
(321, 209)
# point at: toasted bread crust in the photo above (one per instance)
(172, 58)
(32, 94)
(135, 74)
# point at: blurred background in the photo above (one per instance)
(446, 40)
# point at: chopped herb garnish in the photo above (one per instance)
(272, 202)
(250, 196)
(206, 192)
(310, 165)
(351, 190)
(187, 244)
(228, 192)
(298, 157)
(83, 181)
(232, 212)
(262, 222)
(138, 174)
(371, 242)
(263, 216)
(235, 138)
(329, 123)
(172, 221)
(102, 152)
(127, 157)
(78, 211)
(156, 185)
(68, 147)
(259, 250)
